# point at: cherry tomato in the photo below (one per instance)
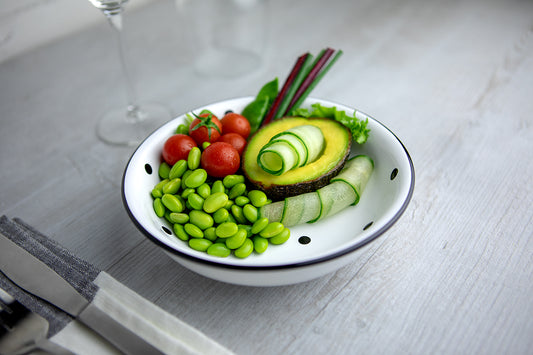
(220, 159)
(177, 147)
(205, 128)
(236, 140)
(234, 123)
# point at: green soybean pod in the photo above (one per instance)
(215, 201)
(196, 178)
(211, 234)
(221, 215)
(236, 211)
(200, 244)
(218, 186)
(236, 240)
(164, 170)
(260, 244)
(193, 160)
(196, 201)
(250, 213)
(231, 180)
(237, 190)
(193, 230)
(181, 218)
(200, 219)
(159, 208)
(204, 190)
(172, 186)
(226, 229)
(179, 230)
(258, 198)
(172, 203)
(271, 230)
(178, 169)
(219, 249)
(241, 200)
(245, 249)
(281, 237)
(259, 225)
(157, 191)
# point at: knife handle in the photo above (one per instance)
(121, 337)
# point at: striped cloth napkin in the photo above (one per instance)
(161, 329)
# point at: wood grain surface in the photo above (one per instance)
(452, 79)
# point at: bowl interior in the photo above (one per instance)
(386, 196)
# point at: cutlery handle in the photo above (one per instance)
(121, 337)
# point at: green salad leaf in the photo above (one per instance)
(358, 127)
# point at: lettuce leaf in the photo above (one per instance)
(358, 128)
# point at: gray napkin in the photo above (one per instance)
(156, 326)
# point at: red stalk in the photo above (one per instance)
(277, 101)
(312, 75)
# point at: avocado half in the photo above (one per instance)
(303, 179)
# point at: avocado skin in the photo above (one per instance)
(278, 192)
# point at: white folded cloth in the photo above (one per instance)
(156, 326)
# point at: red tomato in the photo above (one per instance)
(205, 128)
(236, 140)
(220, 159)
(177, 147)
(235, 123)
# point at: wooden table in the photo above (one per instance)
(454, 81)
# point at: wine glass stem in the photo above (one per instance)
(115, 19)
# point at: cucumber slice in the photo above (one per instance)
(356, 173)
(313, 139)
(296, 143)
(300, 209)
(334, 197)
(277, 157)
(273, 211)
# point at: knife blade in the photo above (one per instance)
(34, 276)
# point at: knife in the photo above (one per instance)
(34, 276)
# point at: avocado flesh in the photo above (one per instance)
(303, 179)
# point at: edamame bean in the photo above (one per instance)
(200, 219)
(185, 193)
(172, 203)
(226, 229)
(218, 186)
(260, 244)
(172, 186)
(159, 208)
(237, 190)
(164, 170)
(259, 225)
(157, 191)
(182, 129)
(236, 211)
(180, 218)
(196, 178)
(193, 159)
(247, 228)
(179, 230)
(221, 215)
(204, 190)
(205, 145)
(232, 180)
(178, 169)
(241, 200)
(250, 213)
(271, 230)
(258, 198)
(215, 201)
(196, 201)
(245, 249)
(236, 240)
(200, 244)
(219, 249)
(281, 237)
(210, 233)
(193, 230)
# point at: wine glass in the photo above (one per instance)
(131, 124)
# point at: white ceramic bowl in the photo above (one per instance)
(331, 243)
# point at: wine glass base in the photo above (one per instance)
(130, 127)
